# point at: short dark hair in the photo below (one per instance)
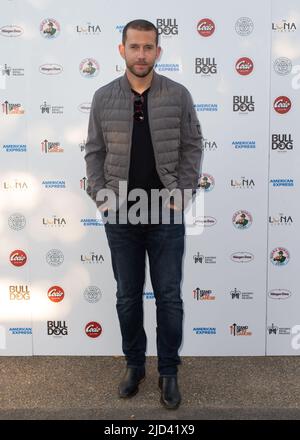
(140, 25)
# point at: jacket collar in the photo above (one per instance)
(127, 87)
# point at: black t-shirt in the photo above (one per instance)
(142, 171)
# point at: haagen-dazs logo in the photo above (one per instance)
(17, 221)
(282, 66)
(18, 258)
(50, 69)
(92, 294)
(56, 294)
(57, 328)
(244, 66)
(243, 104)
(93, 329)
(85, 107)
(279, 294)
(11, 31)
(244, 26)
(206, 182)
(49, 28)
(55, 257)
(280, 256)
(282, 142)
(282, 104)
(205, 221)
(242, 257)
(89, 68)
(206, 27)
(242, 219)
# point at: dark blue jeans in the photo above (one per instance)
(164, 244)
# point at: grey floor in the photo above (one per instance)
(61, 387)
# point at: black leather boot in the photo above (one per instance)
(170, 395)
(129, 385)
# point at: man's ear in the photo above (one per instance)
(158, 52)
(122, 50)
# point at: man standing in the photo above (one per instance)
(143, 130)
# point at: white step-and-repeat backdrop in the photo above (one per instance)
(241, 62)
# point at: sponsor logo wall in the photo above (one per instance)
(241, 63)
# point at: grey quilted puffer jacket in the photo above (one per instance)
(174, 127)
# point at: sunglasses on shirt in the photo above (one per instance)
(138, 108)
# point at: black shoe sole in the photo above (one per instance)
(167, 406)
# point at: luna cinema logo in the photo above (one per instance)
(88, 29)
(54, 221)
(280, 220)
(242, 183)
(92, 258)
(15, 185)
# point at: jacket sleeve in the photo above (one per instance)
(191, 146)
(95, 152)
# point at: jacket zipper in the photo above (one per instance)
(130, 140)
(151, 131)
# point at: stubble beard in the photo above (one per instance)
(140, 74)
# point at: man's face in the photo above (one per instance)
(140, 52)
